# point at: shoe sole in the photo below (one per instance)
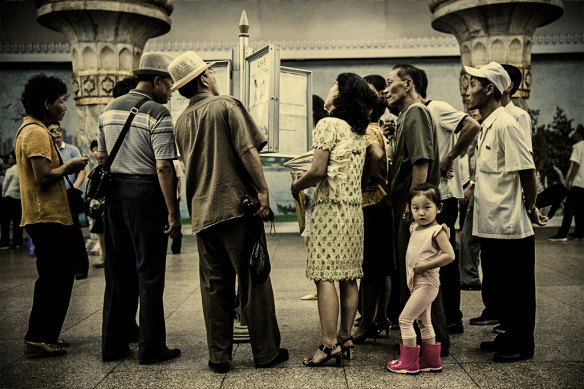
(484, 323)
(431, 370)
(403, 371)
(558, 240)
(37, 352)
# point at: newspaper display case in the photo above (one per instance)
(295, 111)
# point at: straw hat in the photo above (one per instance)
(185, 68)
(154, 63)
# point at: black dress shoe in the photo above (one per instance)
(220, 367)
(41, 349)
(455, 328)
(282, 356)
(164, 356)
(483, 321)
(491, 346)
(511, 356)
(110, 357)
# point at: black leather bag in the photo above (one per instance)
(99, 179)
(77, 204)
(98, 182)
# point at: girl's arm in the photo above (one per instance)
(445, 258)
(315, 173)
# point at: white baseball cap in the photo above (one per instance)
(493, 72)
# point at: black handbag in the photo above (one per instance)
(99, 179)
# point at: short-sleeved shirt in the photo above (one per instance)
(11, 184)
(416, 140)
(376, 192)
(499, 210)
(69, 152)
(449, 124)
(523, 119)
(578, 157)
(40, 204)
(149, 138)
(212, 134)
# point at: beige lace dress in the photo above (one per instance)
(336, 235)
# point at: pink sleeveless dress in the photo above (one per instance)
(420, 249)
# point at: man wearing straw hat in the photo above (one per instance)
(141, 212)
(220, 145)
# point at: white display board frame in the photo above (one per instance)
(290, 145)
(262, 89)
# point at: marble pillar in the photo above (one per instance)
(107, 39)
(495, 30)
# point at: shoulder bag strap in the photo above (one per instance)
(133, 112)
(61, 161)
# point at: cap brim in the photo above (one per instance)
(474, 72)
(143, 72)
(185, 80)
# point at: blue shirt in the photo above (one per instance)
(69, 152)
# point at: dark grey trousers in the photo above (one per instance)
(224, 251)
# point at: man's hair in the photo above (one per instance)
(484, 82)
(424, 83)
(580, 131)
(377, 81)
(410, 71)
(93, 144)
(38, 89)
(122, 87)
(515, 75)
(190, 88)
(145, 77)
(55, 122)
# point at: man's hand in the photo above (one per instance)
(173, 229)
(446, 168)
(538, 218)
(468, 191)
(407, 215)
(264, 209)
(77, 164)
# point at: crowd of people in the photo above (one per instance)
(389, 179)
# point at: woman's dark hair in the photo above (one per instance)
(354, 101)
(377, 81)
(430, 191)
(122, 87)
(92, 144)
(379, 107)
(318, 111)
(39, 89)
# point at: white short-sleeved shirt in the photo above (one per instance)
(578, 157)
(522, 117)
(499, 210)
(448, 120)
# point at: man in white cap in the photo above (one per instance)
(141, 212)
(505, 194)
(220, 145)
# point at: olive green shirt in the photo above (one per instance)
(415, 141)
(212, 134)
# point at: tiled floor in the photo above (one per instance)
(558, 362)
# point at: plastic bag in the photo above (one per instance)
(259, 263)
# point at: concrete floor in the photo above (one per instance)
(558, 361)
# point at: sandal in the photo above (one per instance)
(350, 350)
(329, 355)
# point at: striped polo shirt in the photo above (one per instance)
(148, 139)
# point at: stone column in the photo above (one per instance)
(107, 39)
(495, 30)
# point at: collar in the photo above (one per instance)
(32, 120)
(509, 105)
(488, 122)
(141, 93)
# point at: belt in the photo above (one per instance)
(135, 176)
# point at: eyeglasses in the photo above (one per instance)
(56, 130)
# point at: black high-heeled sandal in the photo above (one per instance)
(383, 326)
(329, 355)
(372, 332)
(349, 350)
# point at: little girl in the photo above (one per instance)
(428, 250)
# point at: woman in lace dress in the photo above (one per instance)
(336, 241)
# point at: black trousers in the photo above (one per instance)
(450, 274)
(509, 288)
(224, 251)
(574, 209)
(11, 212)
(135, 265)
(55, 254)
(81, 263)
(401, 241)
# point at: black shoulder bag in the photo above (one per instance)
(74, 195)
(99, 179)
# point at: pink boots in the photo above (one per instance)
(408, 362)
(430, 360)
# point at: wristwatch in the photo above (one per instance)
(530, 211)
